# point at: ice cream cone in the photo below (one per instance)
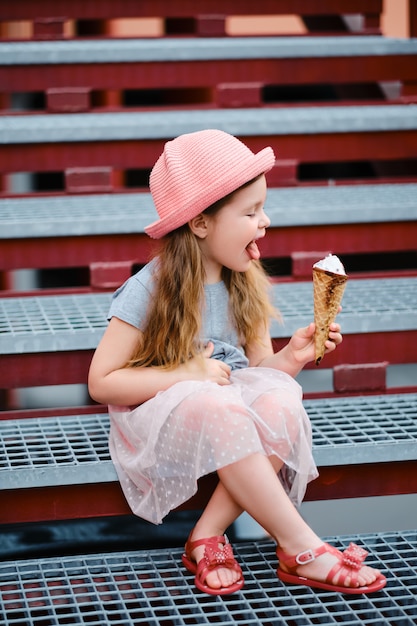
(328, 292)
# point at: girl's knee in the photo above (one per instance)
(281, 411)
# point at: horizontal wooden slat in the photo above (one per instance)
(106, 9)
(212, 65)
(135, 140)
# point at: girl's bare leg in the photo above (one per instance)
(254, 485)
(221, 511)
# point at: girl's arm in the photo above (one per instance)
(110, 382)
(296, 354)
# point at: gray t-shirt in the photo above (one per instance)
(131, 301)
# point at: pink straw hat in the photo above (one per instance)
(197, 169)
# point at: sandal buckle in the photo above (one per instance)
(305, 557)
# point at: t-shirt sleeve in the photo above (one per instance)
(131, 301)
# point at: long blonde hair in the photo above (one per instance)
(174, 316)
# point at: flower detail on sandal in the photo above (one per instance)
(349, 563)
(214, 558)
(354, 556)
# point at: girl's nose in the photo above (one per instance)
(264, 221)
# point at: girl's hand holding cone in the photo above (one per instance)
(302, 343)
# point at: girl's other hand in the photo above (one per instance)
(206, 368)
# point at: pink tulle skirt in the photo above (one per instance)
(194, 428)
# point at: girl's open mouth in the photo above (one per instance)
(253, 251)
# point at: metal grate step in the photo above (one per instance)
(74, 449)
(82, 127)
(77, 322)
(55, 451)
(52, 323)
(152, 588)
(216, 48)
(371, 305)
(129, 213)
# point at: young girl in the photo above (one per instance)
(187, 368)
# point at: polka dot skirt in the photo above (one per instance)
(194, 428)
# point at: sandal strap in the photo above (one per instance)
(302, 558)
(213, 542)
(349, 561)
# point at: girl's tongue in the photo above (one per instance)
(253, 251)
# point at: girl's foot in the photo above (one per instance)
(215, 568)
(325, 567)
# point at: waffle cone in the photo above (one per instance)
(328, 291)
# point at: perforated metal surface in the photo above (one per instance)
(364, 429)
(52, 323)
(80, 127)
(152, 588)
(75, 215)
(56, 323)
(55, 451)
(125, 51)
(74, 449)
(368, 306)
(351, 204)
(130, 213)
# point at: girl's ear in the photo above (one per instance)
(198, 225)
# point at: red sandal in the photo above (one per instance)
(214, 558)
(350, 562)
